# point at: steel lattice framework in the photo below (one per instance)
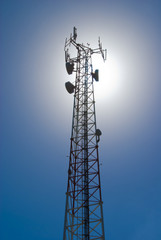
(83, 212)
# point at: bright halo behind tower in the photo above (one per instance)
(110, 77)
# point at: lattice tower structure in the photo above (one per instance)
(83, 211)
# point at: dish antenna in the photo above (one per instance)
(69, 87)
(98, 134)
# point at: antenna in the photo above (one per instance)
(84, 206)
(103, 52)
(74, 33)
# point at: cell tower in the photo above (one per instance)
(83, 211)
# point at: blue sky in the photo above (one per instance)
(36, 115)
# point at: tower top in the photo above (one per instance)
(72, 40)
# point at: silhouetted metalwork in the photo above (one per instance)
(83, 212)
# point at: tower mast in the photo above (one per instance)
(83, 211)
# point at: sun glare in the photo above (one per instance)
(109, 78)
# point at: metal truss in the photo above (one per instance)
(83, 212)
